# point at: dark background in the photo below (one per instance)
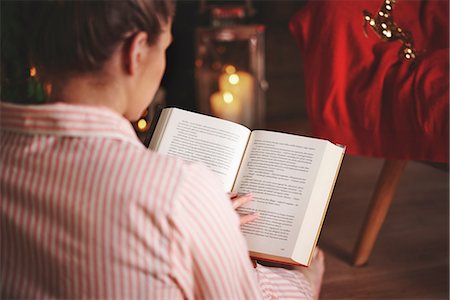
(284, 98)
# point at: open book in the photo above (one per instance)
(291, 177)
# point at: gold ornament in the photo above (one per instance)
(383, 24)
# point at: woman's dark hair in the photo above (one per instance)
(80, 36)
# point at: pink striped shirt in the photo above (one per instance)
(88, 212)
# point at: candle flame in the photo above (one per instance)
(230, 69)
(228, 97)
(33, 71)
(233, 79)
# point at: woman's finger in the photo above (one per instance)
(248, 218)
(232, 195)
(240, 200)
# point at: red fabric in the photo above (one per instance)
(361, 94)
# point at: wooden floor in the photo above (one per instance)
(411, 256)
(410, 259)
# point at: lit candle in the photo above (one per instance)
(241, 85)
(225, 105)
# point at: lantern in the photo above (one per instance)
(229, 70)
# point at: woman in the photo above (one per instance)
(87, 211)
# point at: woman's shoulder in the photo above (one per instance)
(161, 169)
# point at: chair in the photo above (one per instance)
(381, 90)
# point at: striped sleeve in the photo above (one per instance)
(209, 254)
(281, 283)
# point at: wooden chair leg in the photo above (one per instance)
(381, 200)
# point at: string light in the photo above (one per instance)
(33, 71)
(142, 124)
(383, 24)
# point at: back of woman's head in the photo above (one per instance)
(72, 37)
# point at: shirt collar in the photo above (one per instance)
(66, 120)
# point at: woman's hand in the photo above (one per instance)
(240, 200)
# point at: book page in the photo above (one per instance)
(279, 170)
(318, 204)
(219, 144)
